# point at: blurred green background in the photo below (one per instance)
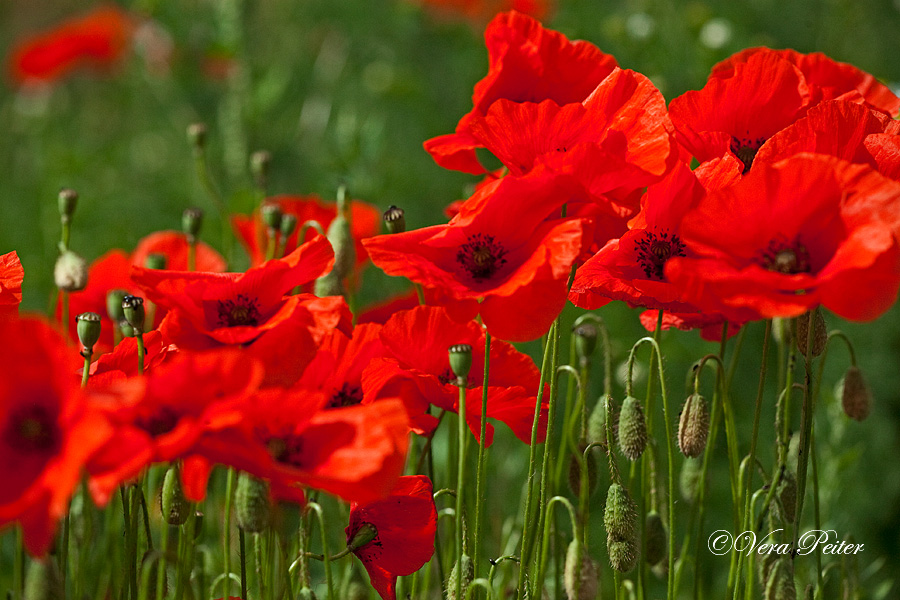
(347, 91)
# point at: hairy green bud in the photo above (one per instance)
(632, 429)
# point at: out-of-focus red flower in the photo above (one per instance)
(509, 253)
(527, 63)
(380, 312)
(122, 362)
(479, 11)
(113, 271)
(47, 429)
(424, 377)
(170, 413)
(826, 78)
(809, 230)
(11, 276)
(98, 39)
(405, 524)
(365, 221)
(252, 309)
(709, 324)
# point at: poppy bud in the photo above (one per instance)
(632, 429)
(781, 330)
(460, 360)
(787, 495)
(856, 397)
(655, 549)
(620, 514)
(288, 225)
(88, 328)
(780, 582)
(252, 503)
(394, 220)
(196, 133)
(468, 575)
(689, 479)
(271, 216)
(357, 591)
(156, 261)
(71, 272)
(67, 200)
(693, 426)
(597, 421)
(575, 473)
(191, 223)
(365, 534)
(585, 341)
(44, 580)
(172, 503)
(764, 566)
(126, 329)
(133, 307)
(581, 576)
(341, 239)
(114, 304)
(259, 167)
(820, 333)
(622, 553)
(307, 594)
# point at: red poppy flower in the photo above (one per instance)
(98, 39)
(122, 362)
(405, 524)
(791, 236)
(827, 79)
(424, 377)
(365, 221)
(169, 414)
(11, 277)
(209, 310)
(527, 63)
(47, 429)
(380, 312)
(112, 271)
(517, 266)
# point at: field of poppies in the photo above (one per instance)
(449, 298)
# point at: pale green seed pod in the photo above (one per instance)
(632, 429)
(655, 534)
(597, 421)
(620, 514)
(308, 594)
(468, 570)
(856, 399)
(693, 426)
(43, 581)
(252, 505)
(820, 333)
(172, 503)
(341, 238)
(70, 272)
(581, 575)
(689, 479)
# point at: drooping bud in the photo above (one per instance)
(460, 360)
(575, 473)
(191, 223)
(133, 308)
(782, 331)
(394, 219)
(288, 225)
(88, 327)
(453, 581)
(71, 272)
(820, 333)
(43, 580)
(780, 582)
(259, 167)
(114, 305)
(689, 479)
(856, 397)
(172, 503)
(365, 534)
(585, 336)
(156, 260)
(196, 133)
(597, 421)
(623, 554)
(252, 505)
(271, 216)
(693, 426)
(787, 495)
(655, 532)
(67, 200)
(632, 429)
(581, 576)
(620, 514)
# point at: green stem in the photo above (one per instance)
(482, 450)
(260, 577)
(226, 543)
(163, 562)
(243, 555)
(326, 560)
(192, 254)
(141, 351)
(88, 353)
(460, 484)
(806, 420)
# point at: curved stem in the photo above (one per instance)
(482, 449)
(323, 531)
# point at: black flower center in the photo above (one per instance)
(162, 421)
(745, 150)
(287, 450)
(347, 395)
(787, 257)
(654, 250)
(32, 429)
(238, 312)
(481, 256)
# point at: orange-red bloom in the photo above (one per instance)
(405, 524)
(506, 253)
(47, 429)
(11, 277)
(98, 39)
